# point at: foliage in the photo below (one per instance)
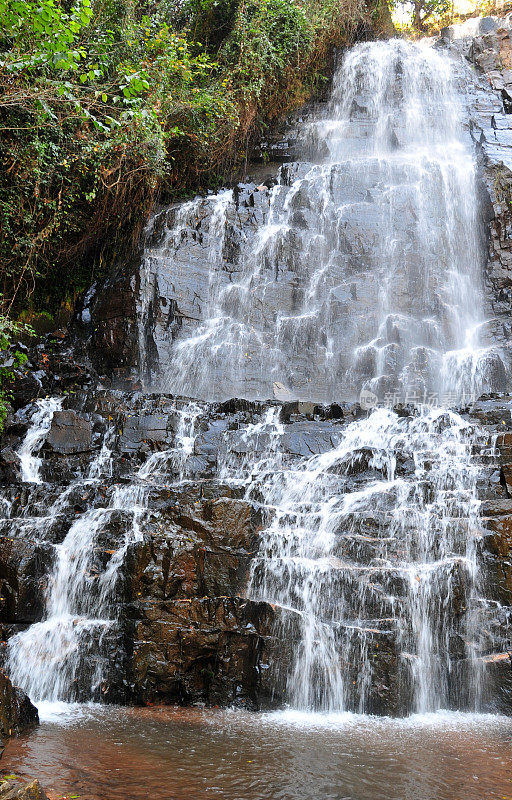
(106, 103)
(47, 33)
(268, 35)
(418, 16)
(11, 359)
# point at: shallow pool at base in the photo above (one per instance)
(171, 753)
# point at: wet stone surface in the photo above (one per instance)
(182, 628)
(153, 526)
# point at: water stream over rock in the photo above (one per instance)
(33, 441)
(51, 657)
(359, 269)
(332, 556)
(361, 273)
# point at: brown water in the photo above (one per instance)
(103, 753)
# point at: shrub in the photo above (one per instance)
(108, 103)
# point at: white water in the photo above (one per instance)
(174, 460)
(49, 659)
(352, 564)
(45, 658)
(40, 425)
(366, 270)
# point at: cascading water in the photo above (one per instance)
(364, 268)
(351, 562)
(359, 271)
(362, 273)
(41, 422)
(49, 657)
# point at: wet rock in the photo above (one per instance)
(26, 387)
(69, 433)
(200, 650)
(17, 714)
(491, 52)
(148, 429)
(113, 313)
(506, 478)
(177, 635)
(498, 564)
(497, 695)
(24, 566)
(9, 465)
(18, 790)
(302, 439)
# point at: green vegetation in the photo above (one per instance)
(11, 359)
(417, 16)
(106, 105)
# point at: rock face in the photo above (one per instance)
(182, 629)
(180, 626)
(17, 714)
(489, 49)
(24, 566)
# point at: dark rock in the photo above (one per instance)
(113, 313)
(498, 682)
(24, 566)
(193, 650)
(69, 433)
(25, 388)
(9, 465)
(17, 714)
(151, 428)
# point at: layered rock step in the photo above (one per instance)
(177, 498)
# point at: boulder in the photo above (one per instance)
(17, 714)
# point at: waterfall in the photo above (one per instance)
(34, 440)
(70, 645)
(350, 563)
(356, 276)
(361, 269)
